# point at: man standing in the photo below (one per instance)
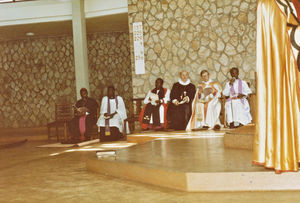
(85, 117)
(182, 95)
(153, 115)
(206, 106)
(112, 116)
(237, 108)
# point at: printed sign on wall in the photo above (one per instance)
(138, 44)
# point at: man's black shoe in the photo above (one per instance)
(217, 127)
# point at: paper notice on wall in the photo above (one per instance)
(138, 44)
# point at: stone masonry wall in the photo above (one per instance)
(194, 35)
(109, 63)
(36, 72)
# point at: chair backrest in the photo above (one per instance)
(63, 111)
(252, 103)
(135, 107)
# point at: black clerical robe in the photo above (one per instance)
(90, 120)
(179, 115)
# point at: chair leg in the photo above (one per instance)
(56, 130)
(225, 118)
(65, 131)
(133, 126)
(125, 129)
(48, 127)
(98, 132)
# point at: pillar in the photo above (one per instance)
(80, 46)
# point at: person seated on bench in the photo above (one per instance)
(206, 106)
(153, 115)
(85, 117)
(237, 108)
(112, 116)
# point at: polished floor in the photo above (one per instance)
(31, 174)
(191, 154)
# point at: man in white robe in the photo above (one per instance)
(206, 106)
(112, 116)
(153, 115)
(237, 107)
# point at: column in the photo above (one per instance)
(80, 46)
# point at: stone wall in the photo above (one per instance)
(109, 62)
(35, 73)
(194, 35)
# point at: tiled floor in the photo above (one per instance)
(31, 174)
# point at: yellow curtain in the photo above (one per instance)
(277, 138)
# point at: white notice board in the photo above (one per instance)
(138, 44)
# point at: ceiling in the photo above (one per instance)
(118, 22)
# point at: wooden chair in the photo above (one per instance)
(252, 102)
(63, 113)
(135, 108)
(95, 134)
(222, 113)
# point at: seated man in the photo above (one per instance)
(112, 116)
(180, 108)
(153, 115)
(237, 108)
(85, 117)
(206, 106)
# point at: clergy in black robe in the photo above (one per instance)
(182, 95)
(85, 111)
(154, 113)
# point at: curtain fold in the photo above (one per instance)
(277, 137)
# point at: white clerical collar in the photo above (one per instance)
(184, 83)
(209, 81)
(236, 80)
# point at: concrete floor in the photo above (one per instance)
(30, 174)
